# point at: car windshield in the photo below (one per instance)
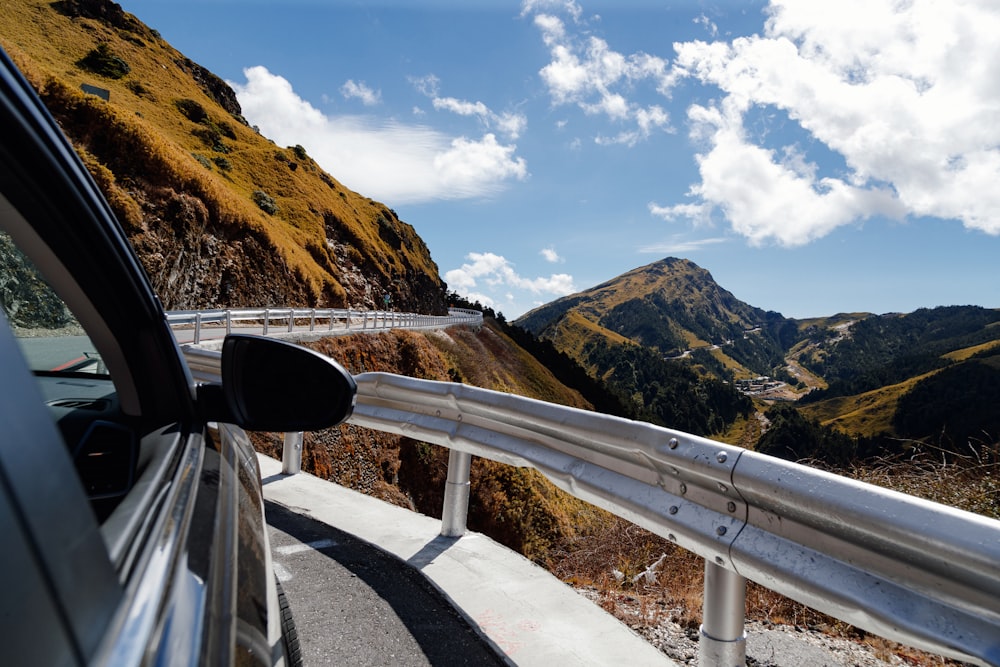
(51, 339)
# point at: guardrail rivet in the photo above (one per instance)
(721, 457)
(719, 560)
(731, 506)
(723, 487)
(673, 443)
(684, 488)
(673, 509)
(721, 530)
(675, 470)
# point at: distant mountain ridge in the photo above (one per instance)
(670, 306)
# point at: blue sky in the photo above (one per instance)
(815, 157)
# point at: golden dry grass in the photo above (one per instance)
(142, 132)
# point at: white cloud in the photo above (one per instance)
(570, 7)
(497, 272)
(385, 159)
(587, 73)
(708, 24)
(905, 93)
(551, 255)
(358, 90)
(679, 247)
(510, 124)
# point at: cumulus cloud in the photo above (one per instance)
(496, 272)
(358, 90)
(586, 72)
(385, 159)
(509, 123)
(905, 93)
(551, 255)
(884, 108)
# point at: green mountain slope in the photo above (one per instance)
(219, 215)
(630, 330)
(670, 306)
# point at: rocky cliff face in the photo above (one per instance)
(218, 214)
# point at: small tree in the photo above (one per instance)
(265, 202)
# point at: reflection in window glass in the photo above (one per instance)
(50, 336)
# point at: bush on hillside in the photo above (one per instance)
(265, 202)
(103, 62)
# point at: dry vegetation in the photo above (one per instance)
(219, 215)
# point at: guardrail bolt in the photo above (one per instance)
(721, 457)
(719, 560)
(673, 443)
(684, 488)
(721, 530)
(673, 509)
(731, 506)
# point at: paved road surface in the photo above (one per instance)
(373, 610)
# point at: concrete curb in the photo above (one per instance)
(529, 615)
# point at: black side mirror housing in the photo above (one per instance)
(272, 385)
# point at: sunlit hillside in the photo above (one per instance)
(219, 215)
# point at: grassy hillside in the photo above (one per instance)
(672, 307)
(219, 215)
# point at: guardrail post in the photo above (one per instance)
(723, 640)
(267, 319)
(291, 320)
(456, 494)
(291, 453)
(229, 322)
(197, 328)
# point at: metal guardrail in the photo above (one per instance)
(907, 569)
(276, 320)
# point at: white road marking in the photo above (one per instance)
(299, 548)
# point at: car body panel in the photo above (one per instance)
(133, 523)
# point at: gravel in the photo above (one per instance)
(768, 644)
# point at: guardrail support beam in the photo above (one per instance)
(291, 454)
(456, 494)
(723, 640)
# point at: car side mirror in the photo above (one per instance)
(272, 385)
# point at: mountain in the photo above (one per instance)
(218, 214)
(867, 385)
(631, 331)
(673, 307)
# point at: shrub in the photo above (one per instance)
(222, 163)
(202, 160)
(103, 62)
(265, 202)
(211, 137)
(192, 110)
(300, 152)
(139, 89)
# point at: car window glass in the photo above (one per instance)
(51, 338)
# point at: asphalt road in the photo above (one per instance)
(355, 605)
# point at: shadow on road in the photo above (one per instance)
(354, 604)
